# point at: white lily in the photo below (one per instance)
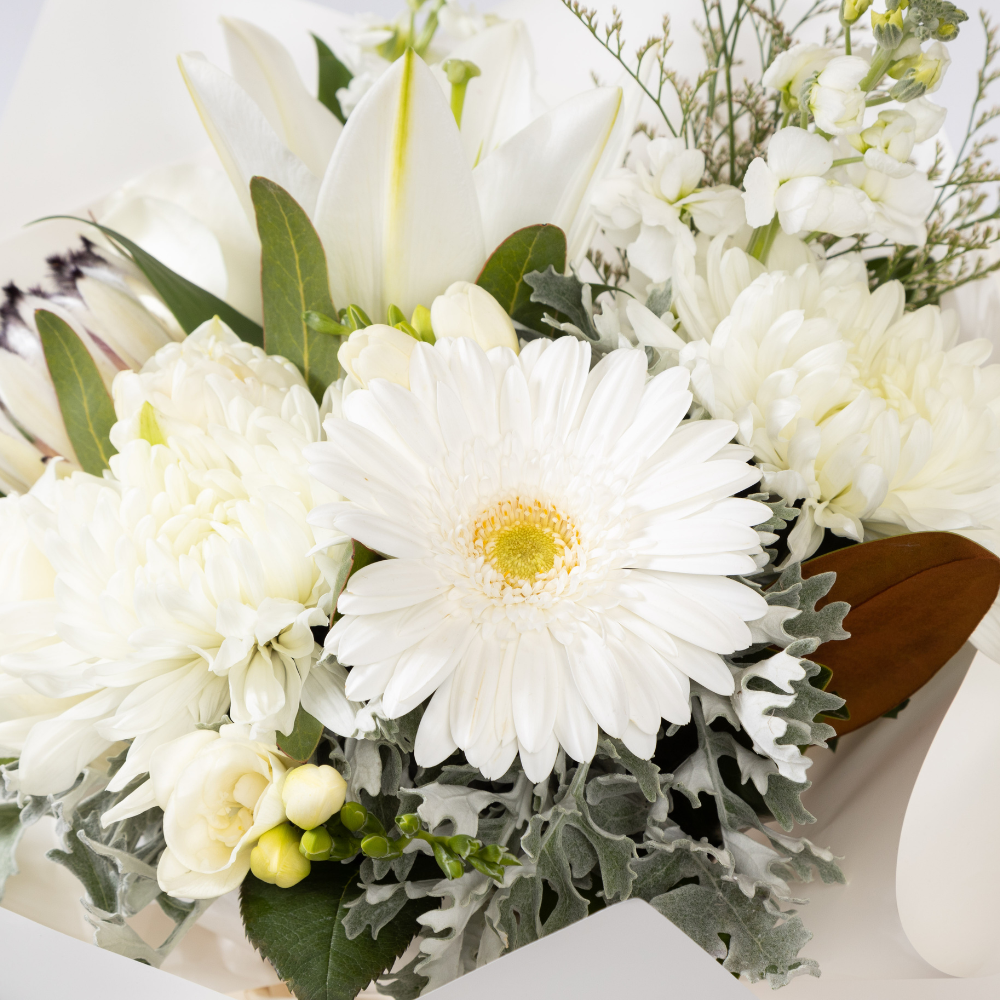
(400, 211)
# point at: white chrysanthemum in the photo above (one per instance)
(188, 581)
(560, 541)
(871, 416)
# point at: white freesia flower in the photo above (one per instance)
(466, 310)
(793, 183)
(312, 794)
(835, 100)
(561, 543)
(792, 70)
(376, 351)
(219, 793)
(645, 208)
(187, 580)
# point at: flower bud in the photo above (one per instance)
(378, 351)
(421, 322)
(888, 142)
(276, 858)
(376, 846)
(888, 28)
(408, 824)
(466, 310)
(312, 794)
(462, 845)
(851, 10)
(920, 73)
(316, 845)
(353, 815)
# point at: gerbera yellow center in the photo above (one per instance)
(524, 538)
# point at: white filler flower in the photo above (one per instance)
(561, 540)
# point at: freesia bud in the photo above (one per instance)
(276, 858)
(353, 815)
(312, 794)
(316, 845)
(408, 824)
(378, 351)
(466, 310)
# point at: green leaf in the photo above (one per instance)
(190, 304)
(294, 282)
(86, 407)
(11, 829)
(300, 744)
(300, 931)
(333, 75)
(534, 248)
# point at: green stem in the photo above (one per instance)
(804, 117)
(873, 101)
(763, 239)
(845, 160)
(878, 67)
(847, 39)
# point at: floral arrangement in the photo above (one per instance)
(457, 536)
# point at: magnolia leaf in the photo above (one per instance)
(293, 282)
(915, 600)
(190, 304)
(300, 744)
(86, 407)
(333, 75)
(534, 248)
(11, 829)
(300, 931)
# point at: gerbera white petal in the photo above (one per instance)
(524, 553)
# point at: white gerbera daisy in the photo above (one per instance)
(560, 546)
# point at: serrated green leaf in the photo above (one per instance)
(300, 744)
(190, 304)
(333, 75)
(647, 774)
(294, 282)
(534, 248)
(10, 834)
(300, 931)
(86, 407)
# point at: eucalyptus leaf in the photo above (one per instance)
(190, 304)
(294, 282)
(86, 407)
(300, 931)
(534, 248)
(333, 75)
(300, 744)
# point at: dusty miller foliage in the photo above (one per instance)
(730, 119)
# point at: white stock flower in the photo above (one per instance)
(836, 101)
(793, 182)
(888, 142)
(793, 68)
(645, 208)
(928, 116)
(560, 543)
(219, 793)
(187, 580)
(466, 310)
(898, 206)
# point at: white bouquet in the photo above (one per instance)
(452, 533)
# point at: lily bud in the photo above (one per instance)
(311, 794)
(851, 10)
(466, 310)
(276, 858)
(316, 845)
(377, 351)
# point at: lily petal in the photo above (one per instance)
(263, 67)
(244, 139)
(397, 211)
(543, 172)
